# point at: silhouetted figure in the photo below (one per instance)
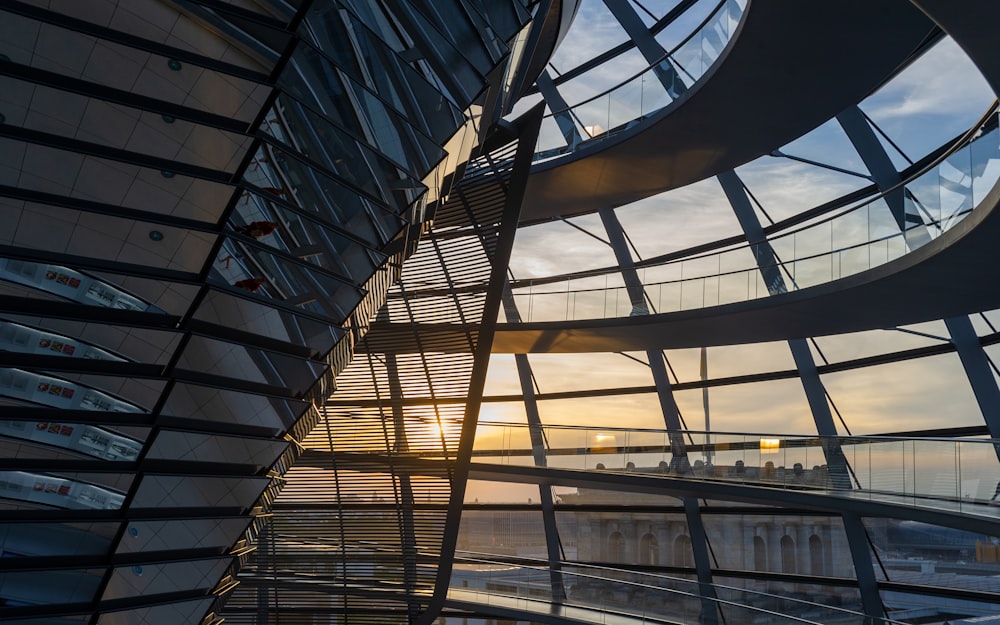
(257, 229)
(250, 284)
(798, 472)
(815, 476)
(769, 470)
(739, 468)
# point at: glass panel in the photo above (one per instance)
(211, 404)
(153, 579)
(58, 492)
(94, 441)
(853, 240)
(79, 55)
(377, 66)
(49, 170)
(817, 603)
(179, 613)
(52, 391)
(118, 126)
(298, 284)
(929, 555)
(192, 447)
(913, 605)
(55, 539)
(71, 284)
(229, 311)
(167, 491)
(307, 238)
(247, 363)
(49, 587)
(146, 536)
(15, 337)
(639, 95)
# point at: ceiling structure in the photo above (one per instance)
(254, 258)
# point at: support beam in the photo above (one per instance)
(560, 109)
(963, 335)
(671, 414)
(527, 131)
(812, 385)
(977, 370)
(524, 375)
(404, 496)
(650, 48)
(883, 172)
(857, 542)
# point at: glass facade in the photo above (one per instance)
(396, 311)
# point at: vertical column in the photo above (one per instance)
(813, 387)
(408, 538)
(263, 604)
(650, 48)
(963, 334)
(538, 454)
(527, 131)
(560, 109)
(671, 415)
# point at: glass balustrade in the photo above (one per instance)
(606, 595)
(949, 472)
(854, 240)
(621, 107)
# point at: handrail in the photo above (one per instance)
(543, 568)
(961, 471)
(650, 67)
(836, 247)
(786, 599)
(573, 110)
(989, 118)
(738, 242)
(763, 435)
(887, 237)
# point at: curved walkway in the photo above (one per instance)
(541, 611)
(738, 112)
(967, 514)
(944, 278)
(971, 516)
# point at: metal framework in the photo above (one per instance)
(249, 295)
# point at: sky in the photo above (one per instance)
(932, 101)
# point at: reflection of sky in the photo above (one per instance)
(931, 102)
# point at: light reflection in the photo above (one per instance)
(770, 445)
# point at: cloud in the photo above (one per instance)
(942, 82)
(937, 97)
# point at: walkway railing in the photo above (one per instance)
(646, 92)
(607, 595)
(854, 240)
(962, 470)
(593, 594)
